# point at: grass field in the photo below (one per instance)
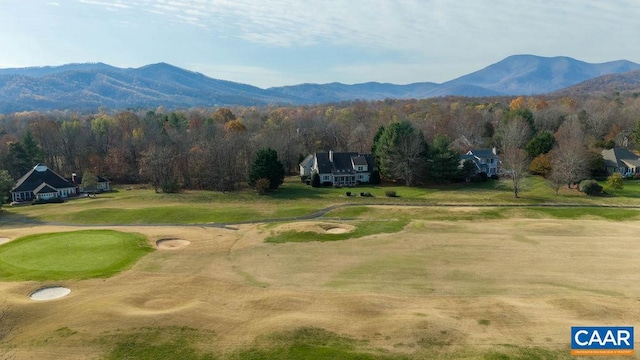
(397, 281)
(293, 199)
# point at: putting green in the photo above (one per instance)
(70, 255)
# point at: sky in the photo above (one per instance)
(269, 43)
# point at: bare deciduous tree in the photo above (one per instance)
(570, 157)
(515, 161)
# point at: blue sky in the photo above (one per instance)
(277, 42)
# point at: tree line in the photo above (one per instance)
(413, 141)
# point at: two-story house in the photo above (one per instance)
(485, 160)
(338, 168)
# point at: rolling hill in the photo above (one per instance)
(606, 84)
(86, 87)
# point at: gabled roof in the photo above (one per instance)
(359, 160)
(37, 176)
(308, 161)
(324, 165)
(342, 163)
(44, 188)
(99, 178)
(617, 157)
(483, 153)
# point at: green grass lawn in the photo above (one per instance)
(294, 199)
(363, 228)
(70, 255)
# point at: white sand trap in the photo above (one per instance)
(317, 227)
(50, 293)
(336, 230)
(3, 240)
(171, 244)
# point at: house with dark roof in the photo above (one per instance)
(485, 160)
(102, 184)
(621, 160)
(339, 168)
(42, 183)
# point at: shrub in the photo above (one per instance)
(348, 193)
(590, 187)
(366, 194)
(315, 180)
(262, 185)
(55, 200)
(390, 193)
(614, 181)
(374, 179)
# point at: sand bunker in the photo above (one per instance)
(336, 230)
(172, 243)
(317, 227)
(50, 293)
(3, 240)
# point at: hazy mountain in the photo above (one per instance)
(528, 74)
(89, 86)
(86, 87)
(606, 84)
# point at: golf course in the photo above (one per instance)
(463, 271)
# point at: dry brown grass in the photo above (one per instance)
(438, 283)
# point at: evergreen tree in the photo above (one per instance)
(443, 161)
(267, 166)
(401, 153)
(540, 144)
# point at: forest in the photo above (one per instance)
(213, 148)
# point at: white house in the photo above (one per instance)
(485, 160)
(339, 168)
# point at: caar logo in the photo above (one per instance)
(602, 340)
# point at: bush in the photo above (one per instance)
(590, 187)
(315, 180)
(366, 194)
(374, 179)
(479, 177)
(55, 200)
(614, 181)
(263, 185)
(390, 193)
(348, 193)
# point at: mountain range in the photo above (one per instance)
(86, 87)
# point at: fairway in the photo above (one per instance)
(70, 255)
(394, 283)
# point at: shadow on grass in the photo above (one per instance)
(9, 218)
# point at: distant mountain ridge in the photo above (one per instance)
(85, 87)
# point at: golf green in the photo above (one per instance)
(70, 255)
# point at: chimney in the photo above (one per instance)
(494, 151)
(73, 178)
(331, 155)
